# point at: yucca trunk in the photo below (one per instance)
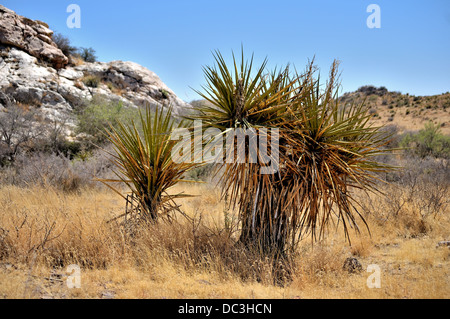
(264, 224)
(264, 231)
(149, 207)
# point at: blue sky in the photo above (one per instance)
(410, 53)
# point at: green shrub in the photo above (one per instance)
(63, 43)
(100, 114)
(202, 173)
(165, 94)
(91, 81)
(87, 54)
(111, 86)
(427, 142)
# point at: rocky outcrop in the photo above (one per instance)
(133, 83)
(27, 81)
(57, 89)
(24, 80)
(33, 37)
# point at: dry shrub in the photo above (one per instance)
(416, 198)
(51, 233)
(194, 246)
(91, 81)
(52, 229)
(57, 171)
(361, 248)
(5, 244)
(48, 171)
(320, 264)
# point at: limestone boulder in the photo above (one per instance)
(33, 37)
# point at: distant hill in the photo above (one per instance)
(407, 112)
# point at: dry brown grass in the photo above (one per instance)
(76, 60)
(42, 231)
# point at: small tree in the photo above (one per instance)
(87, 54)
(16, 131)
(64, 45)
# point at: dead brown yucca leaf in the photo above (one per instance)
(324, 151)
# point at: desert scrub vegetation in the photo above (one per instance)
(24, 131)
(15, 133)
(417, 196)
(98, 116)
(46, 226)
(53, 215)
(429, 141)
(34, 151)
(44, 230)
(57, 171)
(64, 44)
(91, 81)
(45, 155)
(72, 52)
(87, 54)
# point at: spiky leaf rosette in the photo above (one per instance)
(144, 161)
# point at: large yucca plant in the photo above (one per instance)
(325, 150)
(143, 161)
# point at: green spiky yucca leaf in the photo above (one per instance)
(244, 98)
(144, 161)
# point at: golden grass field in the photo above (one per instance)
(43, 231)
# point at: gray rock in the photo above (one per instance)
(107, 294)
(28, 95)
(70, 73)
(445, 243)
(352, 265)
(140, 85)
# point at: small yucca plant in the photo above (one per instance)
(144, 163)
(325, 150)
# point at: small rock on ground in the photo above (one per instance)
(352, 265)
